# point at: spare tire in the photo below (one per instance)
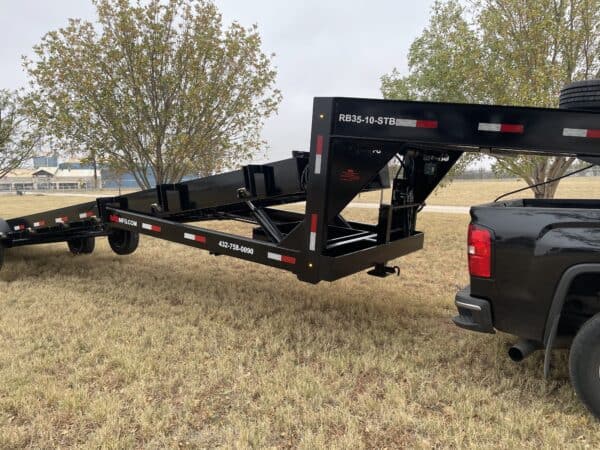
(582, 95)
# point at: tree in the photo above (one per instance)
(114, 174)
(17, 139)
(506, 52)
(155, 87)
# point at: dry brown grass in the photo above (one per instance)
(475, 192)
(171, 347)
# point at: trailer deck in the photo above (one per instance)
(352, 143)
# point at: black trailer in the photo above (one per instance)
(352, 142)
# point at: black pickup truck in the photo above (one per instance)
(535, 272)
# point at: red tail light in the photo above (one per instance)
(480, 252)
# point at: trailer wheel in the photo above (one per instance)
(584, 365)
(582, 95)
(123, 242)
(82, 246)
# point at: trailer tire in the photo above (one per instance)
(584, 365)
(82, 246)
(123, 242)
(581, 95)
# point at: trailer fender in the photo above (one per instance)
(558, 301)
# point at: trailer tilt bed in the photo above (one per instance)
(352, 142)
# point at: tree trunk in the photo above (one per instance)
(95, 172)
(552, 168)
(536, 170)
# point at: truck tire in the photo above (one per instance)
(581, 95)
(584, 365)
(82, 246)
(123, 242)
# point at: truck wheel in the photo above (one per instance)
(582, 95)
(123, 242)
(82, 246)
(584, 364)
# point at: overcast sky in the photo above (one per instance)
(322, 47)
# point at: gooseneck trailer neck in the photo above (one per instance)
(352, 141)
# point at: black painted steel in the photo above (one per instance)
(352, 144)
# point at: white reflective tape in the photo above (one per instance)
(275, 256)
(193, 237)
(575, 132)
(318, 164)
(312, 245)
(406, 123)
(36, 224)
(497, 127)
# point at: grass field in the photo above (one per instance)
(474, 192)
(170, 347)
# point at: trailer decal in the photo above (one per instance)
(233, 246)
(116, 219)
(387, 121)
(312, 243)
(194, 237)
(581, 132)
(502, 127)
(282, 258)
(150, 227)
(319, 154)
(350, 175)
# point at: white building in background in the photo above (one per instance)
(63, 177)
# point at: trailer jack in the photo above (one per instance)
(382, 271)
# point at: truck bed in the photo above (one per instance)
(534, 241)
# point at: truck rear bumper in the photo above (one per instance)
(474, 313)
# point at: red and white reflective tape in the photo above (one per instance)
(194, 237)
(318, 154)
(515, 128)
(62, 220)
(150, 227)
(281, 258)
(86, 215)
(39, 224)
(19, 227)
(312, 243)
(582, 133)
(411, 123)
